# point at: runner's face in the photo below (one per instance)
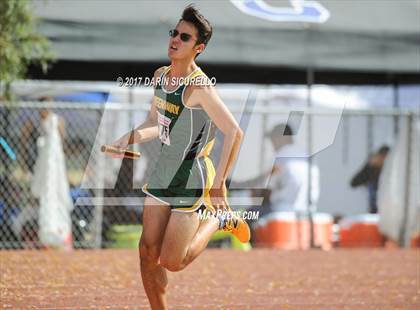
(179, 49)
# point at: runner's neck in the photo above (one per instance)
(180, 68)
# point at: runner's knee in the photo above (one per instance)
(171, 263)
(172, 266)
(148, 253)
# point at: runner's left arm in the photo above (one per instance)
(215, 108)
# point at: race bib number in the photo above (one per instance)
(163, 125)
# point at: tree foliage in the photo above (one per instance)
(20, 43)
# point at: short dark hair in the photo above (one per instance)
(384, 149)
(204, 29)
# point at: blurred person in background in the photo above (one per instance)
(287, 189)
(289, 183)
(369, 175)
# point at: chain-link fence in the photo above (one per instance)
(106, 193)
(21, 135)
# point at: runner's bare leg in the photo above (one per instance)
(185, 238)
(155, 282)
(202, 237)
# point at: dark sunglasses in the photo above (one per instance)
(185, 37)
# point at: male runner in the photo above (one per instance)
(183, 116)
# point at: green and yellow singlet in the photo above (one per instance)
(184, 173)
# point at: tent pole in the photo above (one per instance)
(345, 120)
(100, 167)
(396, 105)
(310, 74)
(264, 132)
(403, 238)
(369, 134)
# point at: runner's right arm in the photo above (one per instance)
(146, 131)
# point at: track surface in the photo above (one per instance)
(218, 279)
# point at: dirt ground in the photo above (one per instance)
(218, 279)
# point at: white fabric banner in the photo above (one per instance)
(51, 186)
(393, 188)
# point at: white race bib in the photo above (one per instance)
(163, 125)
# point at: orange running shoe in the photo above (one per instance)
(238, 227)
